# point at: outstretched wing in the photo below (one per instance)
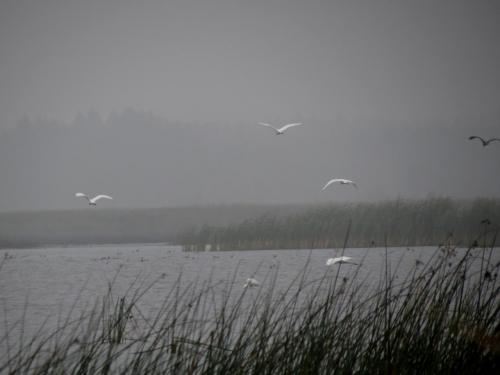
(81, 195)
(331, 182)
(96, 198)
(344, 259)
(492, 140)
(267, 125)
(331, 261)
(289, 126)
(342, 181)
(477, 137)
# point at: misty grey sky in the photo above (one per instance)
(353, 71)
(221, 60)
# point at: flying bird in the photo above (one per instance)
(282, 129)
(339, 260)
(93, 201)
(251, 283)
(485, 143)
(342, 181)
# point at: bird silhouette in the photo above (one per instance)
(484, 142)
(250, 283)
(281, 130)
(341, 181)
(92, 201)
(340, 260)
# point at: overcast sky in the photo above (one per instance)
(334, 64)
(217, 60)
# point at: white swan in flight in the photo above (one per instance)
(340, 260)
(341, 181)
(251, 283)
(93, 201)
(282, 129)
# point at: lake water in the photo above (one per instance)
(44, 285)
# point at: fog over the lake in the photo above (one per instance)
(157, 102)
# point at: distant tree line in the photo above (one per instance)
(108, 225)
(426, 222)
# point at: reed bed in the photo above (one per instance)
(427, 222)
(441, 317)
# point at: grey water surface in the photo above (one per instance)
(43, 286)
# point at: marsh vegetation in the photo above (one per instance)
(439, 317)
(428, 222)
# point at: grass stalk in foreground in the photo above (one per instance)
(441, 317)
